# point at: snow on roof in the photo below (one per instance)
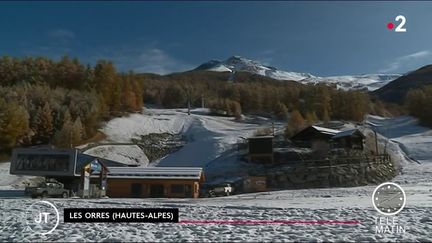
(258, 137)
(85, 159)
(346, 133)
(326, 130)
(155, 172)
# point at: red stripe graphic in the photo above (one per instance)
(269, 222)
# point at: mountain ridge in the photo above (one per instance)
(396, 90)
(237, 63)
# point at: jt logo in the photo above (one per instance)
(39, 219)
(42, 213)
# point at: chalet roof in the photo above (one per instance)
(261, 137)
(155, 172)
(348, 133)
(84, 159)
(326, 130)
(315, 132)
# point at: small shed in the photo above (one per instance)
(255, 184)
(316, 137)
(260, 149)
(351, 139)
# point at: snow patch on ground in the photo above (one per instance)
(123, 129)
(11, 182)
(127, 154)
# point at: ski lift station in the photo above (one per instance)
(89, 176)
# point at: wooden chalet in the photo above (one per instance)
(156, 182)
(351, 139)
(315, 137)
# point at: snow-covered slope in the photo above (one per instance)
(408, 144)
(368, 81)
(10, 182)
(127, 154)
(207, 137)
(236, 64)
(414, 140)
(123, 129)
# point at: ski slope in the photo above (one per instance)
(210, 140)
(410, 144)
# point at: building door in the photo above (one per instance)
(188, 191)
(157, 190)
(136, 190)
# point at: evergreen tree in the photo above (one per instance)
(138, 92)
(14, 124)
(326, 117)
(418, 104)
(174, 97)
(106, 83)
(43, 124)
(236, 109)
(77, 132)
(295, 123)
(311, 118)
(281, 111)
(63, 137)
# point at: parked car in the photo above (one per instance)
(48, 189)
(224, 189)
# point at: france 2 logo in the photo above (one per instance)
(401, 20)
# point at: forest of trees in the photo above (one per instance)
(418, 102)
(61, 102)
(253, 94)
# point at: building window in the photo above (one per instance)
(177, 188)
(42, 162)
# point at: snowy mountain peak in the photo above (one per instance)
(238, 60)
(241, 64)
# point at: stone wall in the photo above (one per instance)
(339, 173)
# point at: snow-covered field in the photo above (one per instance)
(352, 204)
(12, 182)
(210, 144)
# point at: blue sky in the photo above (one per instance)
(321, 38)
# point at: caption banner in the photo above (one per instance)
(130, 215)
